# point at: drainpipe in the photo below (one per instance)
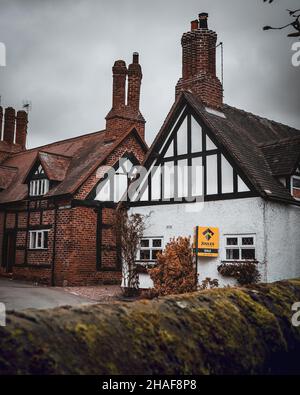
(54, 248)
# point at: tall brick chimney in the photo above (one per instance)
(199, 63)
(125, 115)
(119, 81)
(134, 83)
(21, 129)
(9, 125)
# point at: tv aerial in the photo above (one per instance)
(27, 105)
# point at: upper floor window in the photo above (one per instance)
(295, 187)
(39, 184)
(240, 247)
(38, 187)
(116, 181)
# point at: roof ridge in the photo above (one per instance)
(9, 167)
(279, 142)
(58, 142)
(260, 117)
(55, 154)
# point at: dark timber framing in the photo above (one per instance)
(159, 159)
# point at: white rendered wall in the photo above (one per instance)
(283, 241)
(276, 226)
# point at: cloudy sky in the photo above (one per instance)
(60, 54)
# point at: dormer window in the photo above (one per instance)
(39, 187)
(295, 187)
(39, 184)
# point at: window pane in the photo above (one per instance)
(232, 241)
(209, 144)
(170, 150)
(39, 242)
(120, 186)
(197, 177)
(212, 174)
(156, 243)
(32, 239)
(145, 255)
(233, 253)
(168, 178)
(242, 187)
(182, 177)
(145, 195)
(247, 241)
(296, 182)
(46, 186)
(145, 243)
(182, 138)
(196, 136)
(154, 253)
(248, 253)
(156, 184)
(103, 191)
(227, 176)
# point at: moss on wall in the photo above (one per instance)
(221, 331)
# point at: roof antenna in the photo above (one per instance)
(27, 105)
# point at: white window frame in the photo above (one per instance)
(34, 239)
(39, 187)
(240, 246)
(292, 186)
(150, 248)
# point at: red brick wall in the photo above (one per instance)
(76, 236)
(199, 67)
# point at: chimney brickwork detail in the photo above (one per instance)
(199, 64)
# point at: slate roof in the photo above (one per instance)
(69, 161)
(283, 156)
(258, 146)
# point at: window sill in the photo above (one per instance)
(37, 249)
(240, 261)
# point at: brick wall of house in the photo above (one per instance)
(78, 260)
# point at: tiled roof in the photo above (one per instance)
(69, 161)
(247, 138)
(7, 174)
(283, 156)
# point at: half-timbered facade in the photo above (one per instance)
(54, 229)
(215, 166)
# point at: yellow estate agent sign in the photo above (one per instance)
(206, 241)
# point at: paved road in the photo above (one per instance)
(19, 296)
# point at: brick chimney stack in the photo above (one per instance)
(124, 116)
(134, 83)
(9, 125)
(119, 81)
(21, 129)
(199, 63)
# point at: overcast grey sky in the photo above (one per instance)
(60, 54)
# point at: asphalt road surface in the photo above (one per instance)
(19, 296)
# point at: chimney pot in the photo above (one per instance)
(135, 57)
(203, 20)
(194, 25)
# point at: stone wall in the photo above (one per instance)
(221, 331)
